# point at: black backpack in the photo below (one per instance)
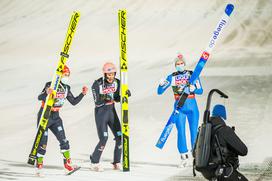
(202, 152)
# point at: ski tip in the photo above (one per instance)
(229, 9)
(159, 145)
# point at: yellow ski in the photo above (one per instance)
(122, 20)
(54, 85)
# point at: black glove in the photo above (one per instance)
(106, 97)
(128, 93)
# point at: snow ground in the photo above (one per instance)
(32, 36)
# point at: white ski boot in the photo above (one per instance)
(116, 166)
(184, 160)
(96, 167)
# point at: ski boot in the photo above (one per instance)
(96, 167)
(39, 169)
(184, 160)
(116, 166)
(68, 167)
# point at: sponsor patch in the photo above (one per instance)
(205, 55)
(181, 79)
(60, 128)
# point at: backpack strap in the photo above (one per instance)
(194, 172)
(194, 162)
(219, 151)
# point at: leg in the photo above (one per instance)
(180, 124)
(193, 118)
(115, 127)
(43, 143)
(237, 176)
(58, 130)
(42, 147)
(101, 119)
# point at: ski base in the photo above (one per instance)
(76, 169)
(166, 131)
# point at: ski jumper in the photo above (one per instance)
(178, 81)
(55, 122)
(105, 94)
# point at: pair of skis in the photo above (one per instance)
(198, 69)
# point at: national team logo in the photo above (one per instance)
(205, 55)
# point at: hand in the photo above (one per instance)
(50, 91)
(192, 88)
(84, 90)
(106, 97)
(128, 93)
(163, 82)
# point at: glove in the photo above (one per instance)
(106, 97)
(84, 90)
(128, 93)
(192, 88)
(163, 82)
(50, 91)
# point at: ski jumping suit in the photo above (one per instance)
(55, 122)
(178, 81)
(105, 94)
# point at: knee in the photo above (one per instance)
(103, 139)
(64, 145)
(118, 138)
(42, 150)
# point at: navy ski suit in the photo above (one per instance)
(105, 94)
(55, 122)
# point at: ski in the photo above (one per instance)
(198, 69)
(122, 21)
(64, 55)
(166, 131)
(206, 53)
(76, 169)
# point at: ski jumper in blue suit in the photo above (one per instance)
(178, 81)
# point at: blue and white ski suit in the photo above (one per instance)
(178, 81)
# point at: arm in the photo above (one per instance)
(43, 94)
(234, 142)
(116, 95)
(73, 100)
(97, 97)
(162, 87)
(198, 87)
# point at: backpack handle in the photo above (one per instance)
(207, 111)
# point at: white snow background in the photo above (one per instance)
(32, 35)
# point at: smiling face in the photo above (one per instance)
(110, 77)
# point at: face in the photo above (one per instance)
(66, 74)
(110, 77)
(179, 62)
